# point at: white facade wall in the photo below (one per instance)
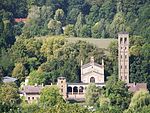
(92, 71)
(32, 97)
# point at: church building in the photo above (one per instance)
(91, 72)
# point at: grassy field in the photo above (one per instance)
(101, 43)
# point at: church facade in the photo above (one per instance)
(91, 72)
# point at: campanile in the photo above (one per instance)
(123, 56)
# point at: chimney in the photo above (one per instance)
(35, 84)
(92, 59)
(102, 62)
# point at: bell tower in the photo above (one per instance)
(61, 82)
(123, 56)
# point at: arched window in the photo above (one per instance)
(125, 40)
(81, 89)
(120, 40)
(69, 89)
(75, 89)
(92, 80)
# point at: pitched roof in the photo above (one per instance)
(90, 64)
(91, 72)
(20, 19)
(133, 87)
(9, 79)
(32, 89)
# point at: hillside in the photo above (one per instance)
(100, 43)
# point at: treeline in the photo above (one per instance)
(9, 10)
(86, 18)
(79, 18)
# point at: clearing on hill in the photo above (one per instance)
(100, 43)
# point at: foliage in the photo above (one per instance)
(117, 92)
(92, 94)
(139, 100)
(55, 27)
(69, 30)
(50, 96)
(118, 24)
(139, 60)
(59, 15)
(37, 20)
(19, 72)
(98, 30)
(39, 78)
(9, 97)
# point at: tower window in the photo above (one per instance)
(121, 77)
(61, 81)
(125, 67)
(120, 40)
(125, 77)
(125, 40)
(121, 66)
(125, 56)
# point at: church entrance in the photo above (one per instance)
(92, 80)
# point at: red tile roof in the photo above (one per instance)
(20, 19)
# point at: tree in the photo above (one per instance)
(139, 100)
(50, 96)
(117, 92)
(98, 30)
(19, 71)
(79, 24)
(37, 20)
(55, 27)
(72, 15)
(59, 15)
(139, 60)
(36, 77)
(69, 30)
(92, 94)
(118, 24)
(85, 31)
(93, 15)
(9, 97)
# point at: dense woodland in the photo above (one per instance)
(38, 48)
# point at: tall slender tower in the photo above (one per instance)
(123, 56)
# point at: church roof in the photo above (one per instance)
(92, 71)
(90, 64)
